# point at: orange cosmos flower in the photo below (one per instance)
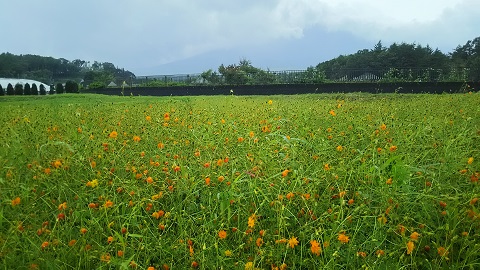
(136, 138)
(380, 253)
(222, 234)
(410, 247)
(414, 236)
(148, 118)
(62, 206)
(108, 204)
(113, 134)
(72, 243)
(343, 238)
(442, 204)
(259, 242)
(44, 245)
(292, 242)
(15, 201)
(443, 252)
(332, 113)
(290, 195)
(361, 254)
(473, 201)
(315, 247)
(393, 148)
(339, 148)
(383, 127)
(57, 164)
(285, 173)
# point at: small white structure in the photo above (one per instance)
(5, 81)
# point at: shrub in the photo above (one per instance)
(27, 90)
(43, 91)
(96, 85)
(59, 88)
(18, 89)
(10, 90)
(2, 93)
(34, 89)
(71, 87)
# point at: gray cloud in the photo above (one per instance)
(148, 33)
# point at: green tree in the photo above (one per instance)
(59, 89)
(97, 85)
(18, 89)
(2, 92)
(10, 90)
(27, 90)
(43, 91)
(34, 89)
(71, 87)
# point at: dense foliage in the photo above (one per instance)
(51, 70)
(396, 63)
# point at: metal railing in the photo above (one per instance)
(313, 75)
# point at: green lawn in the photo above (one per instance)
(350, 181)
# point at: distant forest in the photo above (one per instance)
(52, 71)
(400, 62)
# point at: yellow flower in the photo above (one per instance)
(249, 266)
(270, 102)
(470, 160)
(92, 183)
(148, 118)
(251, 221)
(339, 148)
(292, 242)
(410, 247)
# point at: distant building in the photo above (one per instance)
(5, 81)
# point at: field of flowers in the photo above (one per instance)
(352, 181)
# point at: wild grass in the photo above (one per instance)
(339, 181)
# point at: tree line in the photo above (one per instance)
(53, 71)
(25, 89)
(396, 63)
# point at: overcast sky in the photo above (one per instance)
(151, 37)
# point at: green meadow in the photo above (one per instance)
(327, 181)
